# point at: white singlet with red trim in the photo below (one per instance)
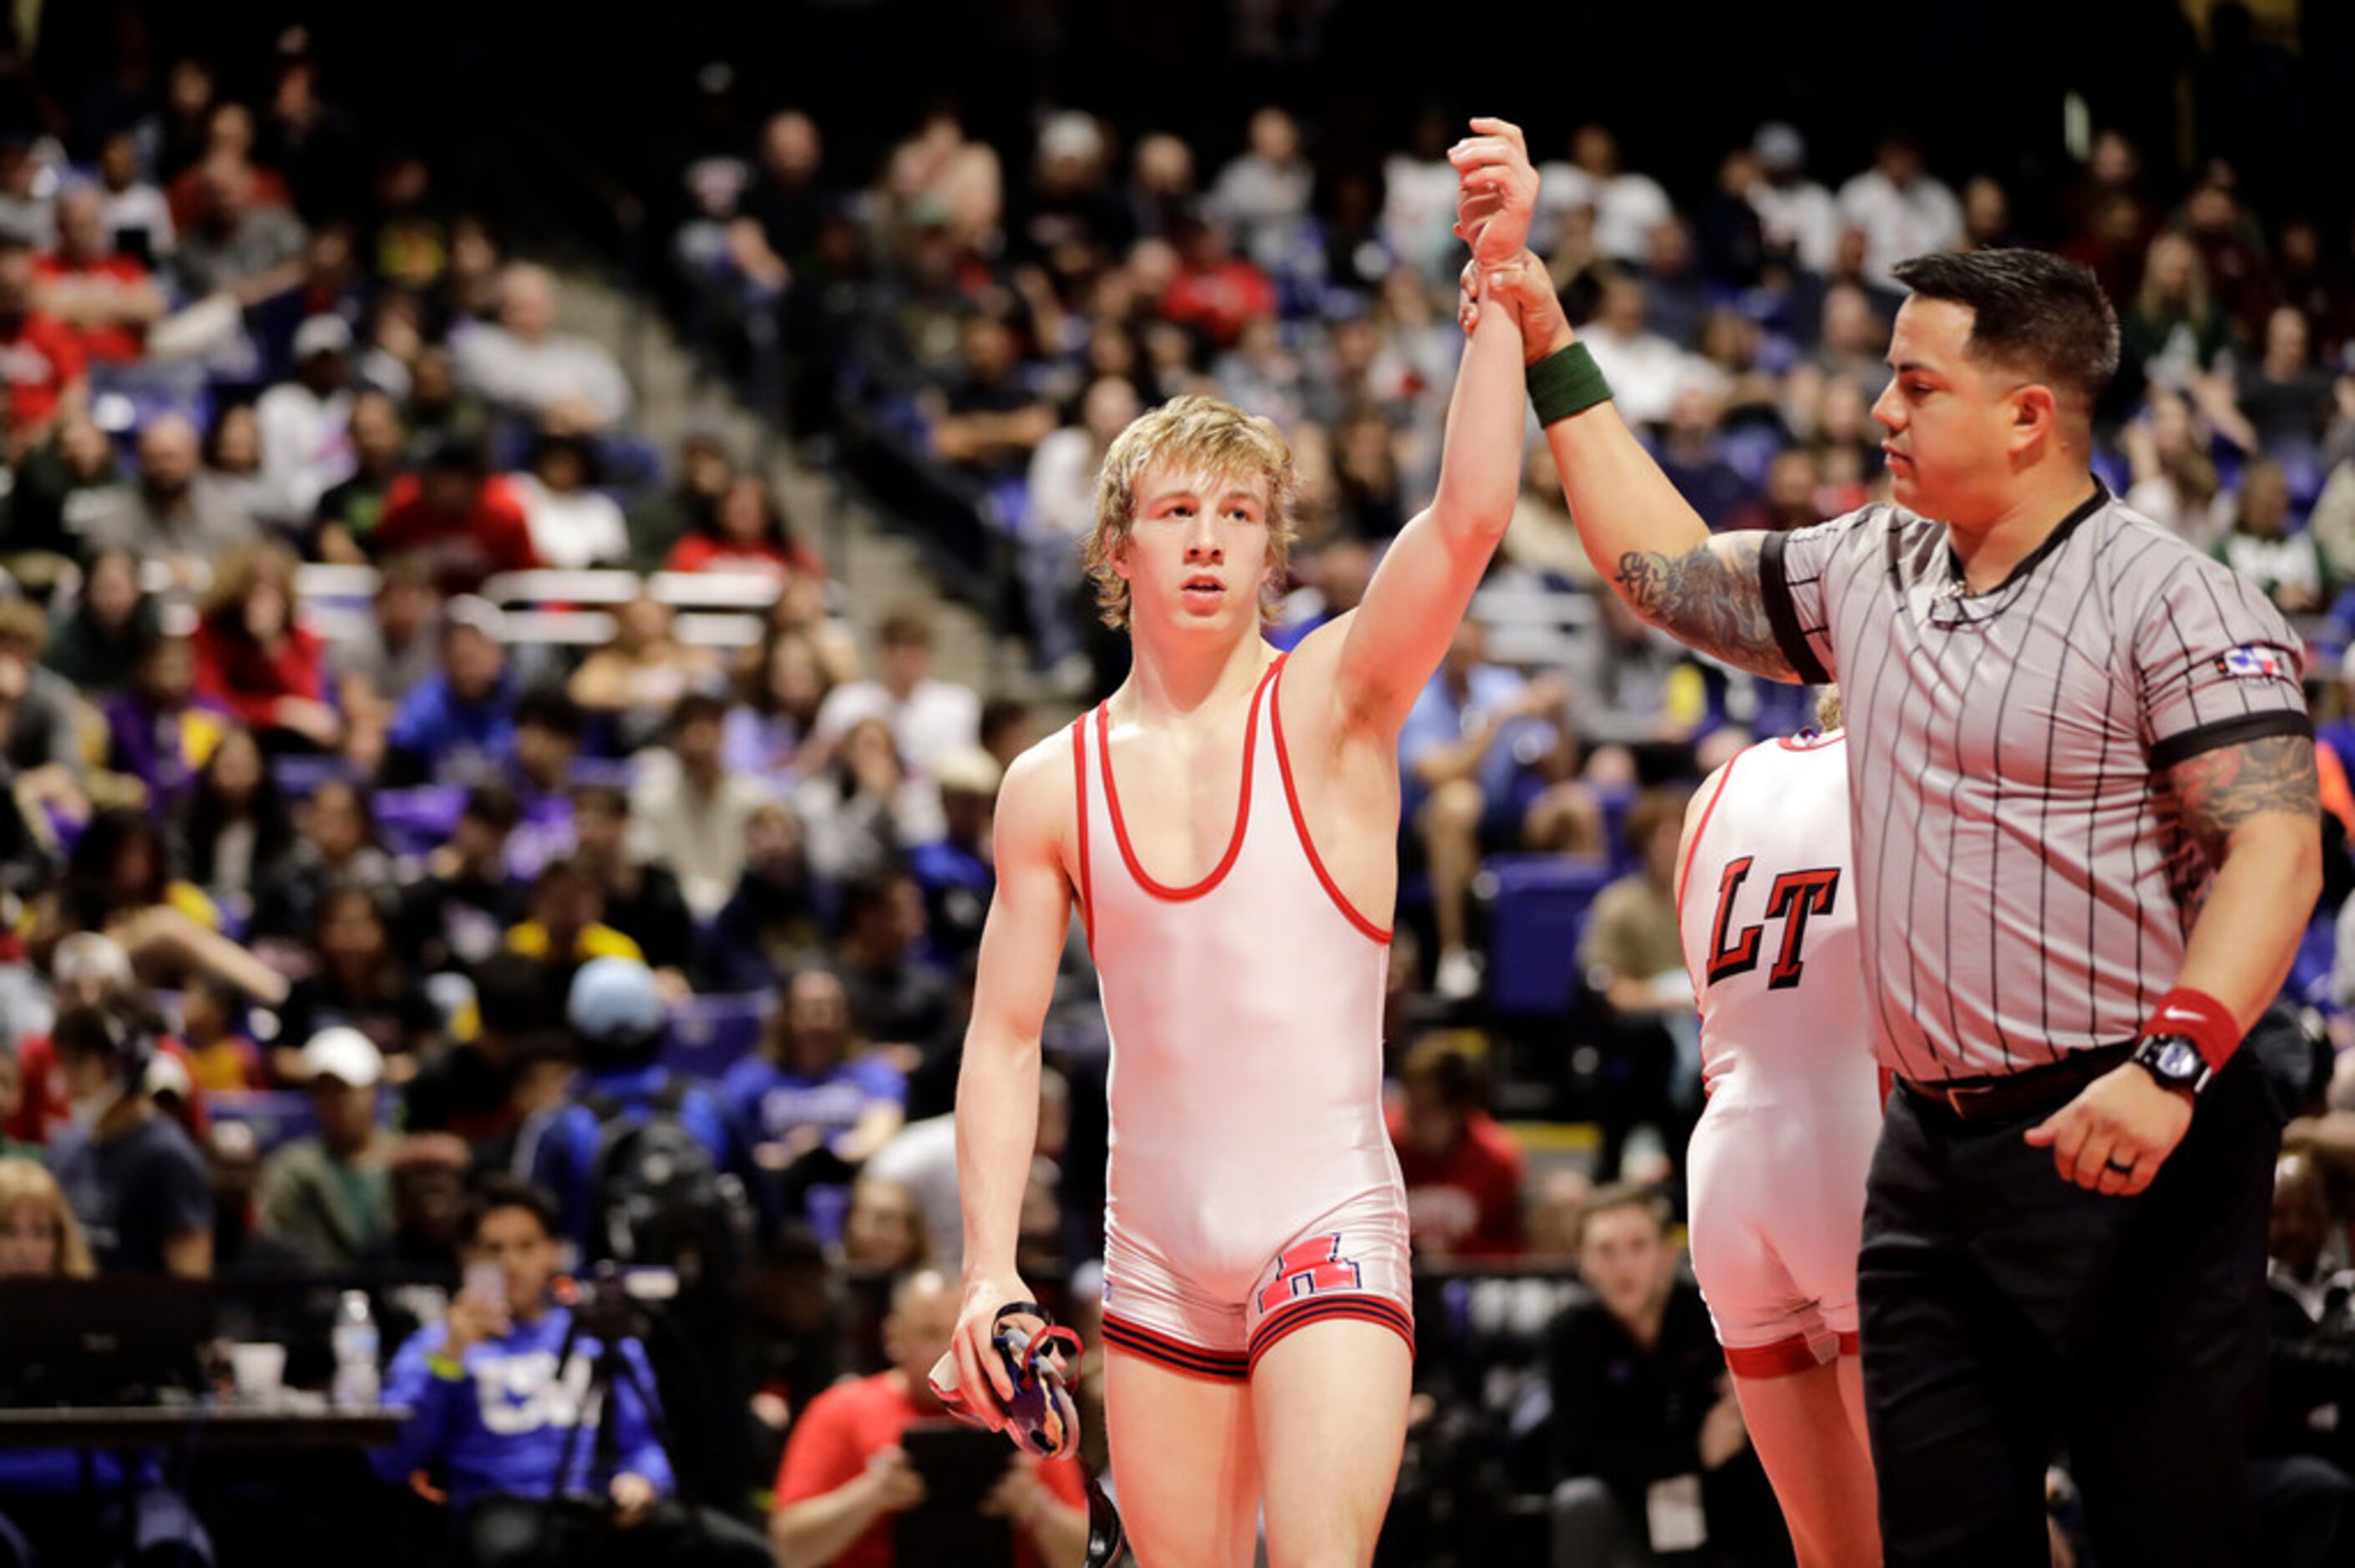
(1767, 907)
(1253, 1188)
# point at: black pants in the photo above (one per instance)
(521, 1532)
(2004, 1308)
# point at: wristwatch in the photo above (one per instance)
(2175, 1061)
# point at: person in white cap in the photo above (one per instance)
(327, 1197)
(306, 424)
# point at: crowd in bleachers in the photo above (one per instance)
(415, 779)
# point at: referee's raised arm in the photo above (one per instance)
(1639, 532)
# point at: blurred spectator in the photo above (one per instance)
(1642, 1402)
(467, 1090)
(2304, 1498)
(343, 523)
(1215, 293)
(2174, 481)
(955, 870)
(1635, 686)
(467, 524)
(1676, 299)
(135, 1183)
(459, 721)
(564, 927)
(132, 211)
(1263, 193)
(304, 426)
(573, 524)
(786, 686)
(816, 1101)
(1632, 954)
(746, 533)
(896, 996)
(171, 514)
(1160, 189)
(57, 482)
(1800, 220)
(235, 240)
(862, 811)
(337, 849)
(642, 897)
(1903, 209)
(548, 730)
(43, 734)
(229, 144)
(233, 459)
(119, 881)
(690, 810)
(780, 213)
(233, 830)
(1692, 455)
(638, 679)
(939, 178)
(2173, 328)
(105, 298)
(376, 663)
(50, 1496)
(771, 922)
(497, 1416)
(985, 421)
(1627, 207)
(257, 661)
(213, 1032)
(844, 1475)
(306, 139)
(2231, 249)
(28, 191)
(2289, 567)
(360, 980)
(1645, 370)
(928, 718)
(524, 366)
(2285, 397)
(161, 730)
(1459, 761)
(326, 1197)
(1062, 509)
(458, 912)
(41, 359)
(96, 642)
(659, 519)
(1463, 1172)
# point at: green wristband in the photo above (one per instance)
(1566, 382)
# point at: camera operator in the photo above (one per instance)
(845, 1475)
(495, 1417)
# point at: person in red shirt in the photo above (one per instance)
(86, 968)
(1216, 291)
(107, 300)
(41, 364)
(467, 525)
(252, 655)
(747, 533)
(1463, 1172)
(844, 1475)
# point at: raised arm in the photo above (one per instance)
(1638, 530)
(1391, 644)
(997, 1086)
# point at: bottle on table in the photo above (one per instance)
(357, 1385)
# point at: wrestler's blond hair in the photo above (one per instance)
(1189, 431)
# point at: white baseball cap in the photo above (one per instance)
(345, 1055)
(323, 335)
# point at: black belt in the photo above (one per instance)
(2007, 1096)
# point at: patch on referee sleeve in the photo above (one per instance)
(2251, 662)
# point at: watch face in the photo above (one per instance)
(2180, 1059)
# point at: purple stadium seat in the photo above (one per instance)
(414, 822)
(1534, 923)
(274, 1117)
(710, 1034)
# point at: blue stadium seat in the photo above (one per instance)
(710, 1034)
(274, 1117)
(1535, 921)
(416, 822)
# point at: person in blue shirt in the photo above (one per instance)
(494, 1413)
(618, 1018)
(458, 724)
(812, 1104)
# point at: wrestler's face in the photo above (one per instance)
(1196, 558)
(1957, 424)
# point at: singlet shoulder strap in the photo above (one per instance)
(1300, 819)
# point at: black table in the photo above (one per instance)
(218, 1427)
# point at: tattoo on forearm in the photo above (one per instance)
(2220, 790)
(1708, 596)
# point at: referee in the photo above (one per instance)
(2086, 845)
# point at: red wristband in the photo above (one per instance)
(2200, 1018)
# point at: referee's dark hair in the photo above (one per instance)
(2031, 308)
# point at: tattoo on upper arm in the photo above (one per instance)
(2220, 790)
(1711, 598)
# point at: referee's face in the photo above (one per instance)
(1956, 425)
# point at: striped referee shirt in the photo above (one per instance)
(2025, 880)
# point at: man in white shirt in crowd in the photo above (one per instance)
(928, 718)
(1627, 207)
(306, 425)
(525, 365)
(1903, 209)
(1798, 215)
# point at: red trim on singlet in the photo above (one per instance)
(1783, 1358)
(1692, 850)
(1293, 1316)
(1218, 1366)
(1300, 821)
(1242, 806)
(1079, 782)
(1851, 1344)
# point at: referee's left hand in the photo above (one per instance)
(2116, 1133)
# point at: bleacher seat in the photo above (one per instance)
(273, 1117)
(710, 1034)
(1537, 913)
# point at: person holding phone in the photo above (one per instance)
(848, 1478)
(494, 1413)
